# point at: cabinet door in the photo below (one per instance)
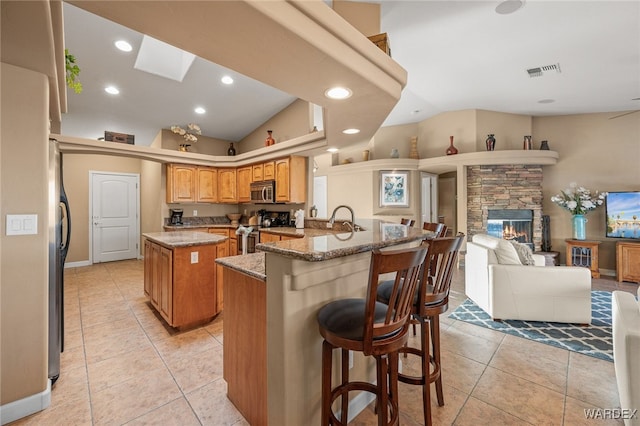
(257, 173)
(181, 183)
(244, 184)
(223, 247)
(227, 186)
(266, 237)
(207, 188)
(166, 284)
(269, 170)
(156, 275)
(148, 268)
(233, 247)
(282, 180)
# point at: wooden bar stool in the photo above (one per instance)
(408, 222)
(440, 229)
(431, 300)
(373, 328)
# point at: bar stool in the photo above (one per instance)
(408, 222)
(440, 229)
(431, 300)
(373, 328)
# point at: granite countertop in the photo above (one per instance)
(250, 264)
(319, 246)
(183, 238)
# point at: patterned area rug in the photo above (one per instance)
(594, 340)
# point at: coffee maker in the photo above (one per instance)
(176, 217)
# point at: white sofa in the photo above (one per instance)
(498, 282)
(625, 311)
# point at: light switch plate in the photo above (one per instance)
(194, 257)
(22, 224)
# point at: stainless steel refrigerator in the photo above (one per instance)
(59, 235)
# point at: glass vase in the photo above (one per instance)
(579, 223)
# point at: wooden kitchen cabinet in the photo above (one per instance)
(266, 237)
(223, 245)
(628, 261)
(269, 170)
(227, 186)
(181, 289)
(233, 242)
(181, 183)
(244, 176)
(257, 172)
(191, 184)
(291, 179)
(207, 185)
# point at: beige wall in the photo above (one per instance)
(76, 184)
(433, 133)
(204, 145)
(596, 152)
(292, 122)
(24, 258)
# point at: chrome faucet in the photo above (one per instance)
(333, 215)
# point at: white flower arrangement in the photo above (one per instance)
(578, 199)
(189, 134)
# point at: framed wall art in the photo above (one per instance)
(394, 189)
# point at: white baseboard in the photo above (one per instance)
(26, 406)
(77, 264)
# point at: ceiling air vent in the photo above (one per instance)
(540, 71)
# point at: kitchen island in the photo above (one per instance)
(273, 320)
(180, 275)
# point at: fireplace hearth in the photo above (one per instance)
(511, 224)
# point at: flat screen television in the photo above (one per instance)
(623, 214)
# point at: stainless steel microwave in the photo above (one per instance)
(263, 192)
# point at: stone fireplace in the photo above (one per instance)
(510, 194)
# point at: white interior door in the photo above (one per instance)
(114, 213)
(429, 197)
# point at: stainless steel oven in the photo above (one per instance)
(263, 192)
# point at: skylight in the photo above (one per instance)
(159, 58)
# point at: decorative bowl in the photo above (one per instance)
(234, 217)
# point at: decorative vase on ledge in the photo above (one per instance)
(579, 223)
(270, 140)
(491, 142)
(452, 150)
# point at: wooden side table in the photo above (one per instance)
(584, 253)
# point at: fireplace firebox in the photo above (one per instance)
(511, 224)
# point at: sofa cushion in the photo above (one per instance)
(505, 251)
(524, 253)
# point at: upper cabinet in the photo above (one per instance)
(291, 180)
(181, 183)
(227, 185)
(201, 184)
(191, 184)
(244, 177)
(269, 170)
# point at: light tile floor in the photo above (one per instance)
(123, 365)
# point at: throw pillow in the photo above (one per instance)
(506, 253)
(524, 253)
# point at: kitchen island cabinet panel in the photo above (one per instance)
(180, 281)
(245, 344)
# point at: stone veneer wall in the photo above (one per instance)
(503, 187)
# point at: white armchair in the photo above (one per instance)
(625, 312)
(498, 282)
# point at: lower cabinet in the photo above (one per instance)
(266, 237)
(628, 261)
(180, 282)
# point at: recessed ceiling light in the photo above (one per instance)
(546, 101)
(200, 110)
(351, 131)
(509, 6)
(123, 45)
(112, 90)
(338, 93)
(227, 80)
(332, 150)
